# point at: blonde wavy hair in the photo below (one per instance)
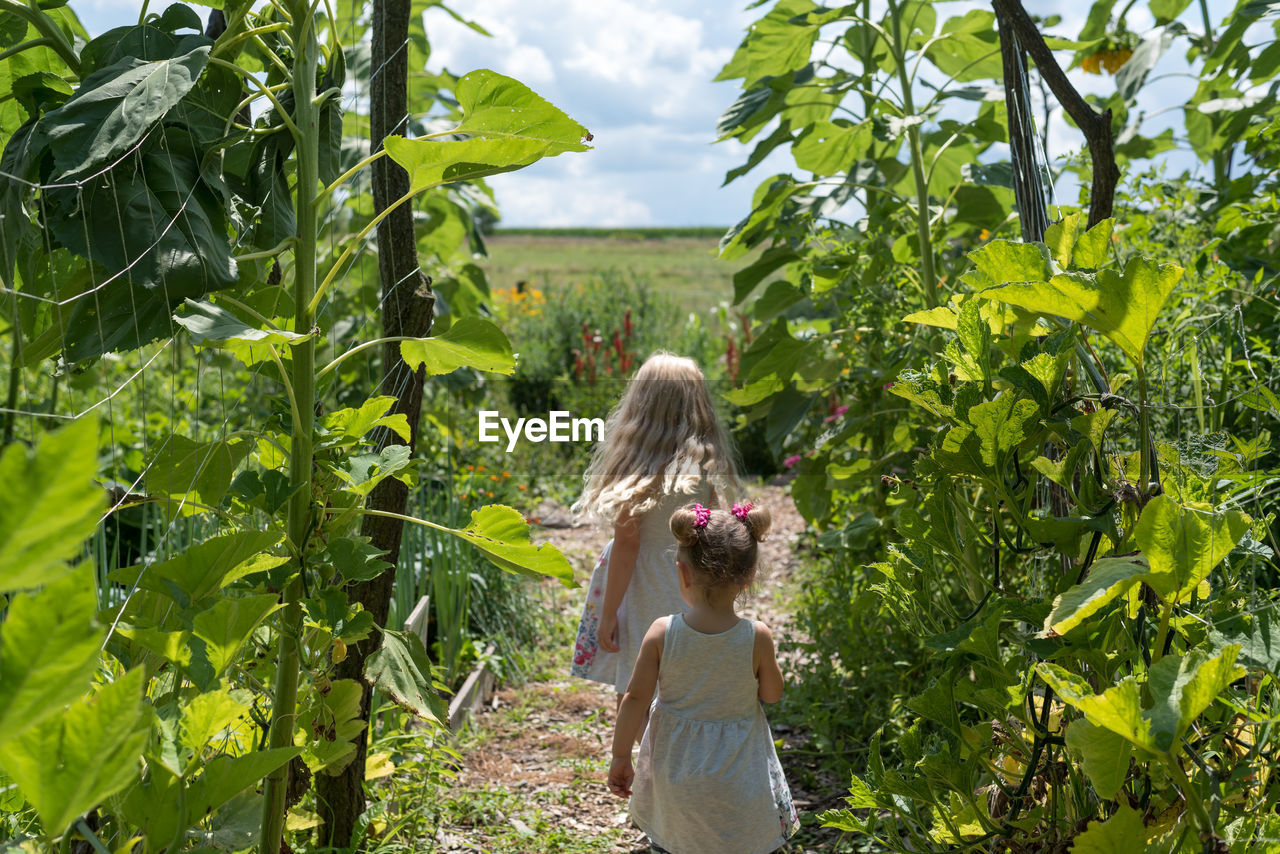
(662, 438)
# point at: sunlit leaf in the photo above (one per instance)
(1183, 543)
(1122, 306)
(71, 762)
(1123, 833)
(1108, 578)
(49, 649)
(470, 342)
(502, 534)
(49, 504)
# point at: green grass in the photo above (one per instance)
(685, 266)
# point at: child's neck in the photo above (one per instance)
(714, 613)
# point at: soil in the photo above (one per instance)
(549, 738)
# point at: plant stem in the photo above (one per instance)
(47, 28)
(1191, 795)
(301, 452)
(923, 230)
(1162, 635)
(1144, 429)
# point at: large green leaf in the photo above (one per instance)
(207, 567)
(1183, 543)
(68, 764)
(775, 45)
(214, 326)
(1182, 687)
(1118, 709)
(509, 126)
(503, 535)
(1108, 578)
(49, 649)
(328, 725)
(1123, 306)
(206, 715)
(115, 107)
(157, 229)
(830, 148)
(190, 471)
(224, 777)
(401, 670)
(354, 423)
(228, 624)
(470, 342)
(1123, 833)
(49, 504)
(1103, 754)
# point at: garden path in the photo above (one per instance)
(535, 759)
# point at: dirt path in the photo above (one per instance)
(540, 751)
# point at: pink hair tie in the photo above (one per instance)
(741, 510)
(701, 516)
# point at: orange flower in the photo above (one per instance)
(493, 477)
(984, 235)
(522, 487)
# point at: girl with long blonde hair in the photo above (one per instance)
(663, 448)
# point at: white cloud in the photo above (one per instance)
(530, 199)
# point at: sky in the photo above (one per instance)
(638, 74)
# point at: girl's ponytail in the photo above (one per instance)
(758, 521)
(682, 527)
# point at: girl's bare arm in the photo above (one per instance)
(768, 673)
(622, 564)
(635, 706)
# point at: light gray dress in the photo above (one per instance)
(654, 592)
(708, 780)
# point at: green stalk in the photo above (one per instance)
(1192, 796)
(48, 28)
(301, 452)
(1144, 428)
(1166, 617)
(928, 275)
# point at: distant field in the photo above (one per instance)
(682, 262)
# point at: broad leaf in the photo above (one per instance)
(1123, 833)
(509, 126)
(1118, 709)
(1108, 578)
(214, 326)
(206, 715)
(207, 567)
(115, 107)
(49, 504)
(1182, 687)
(1183, 543)
(354, 424)
(1123, 307)
(328, 725)
(228, 624)
(68, 764)
(193, 473)
(227, 776)
(401, 670)
(1103, 753)
(470, 342)
(503, 535)
(49, 650)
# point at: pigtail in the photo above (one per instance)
(758, 521)
(682, 527)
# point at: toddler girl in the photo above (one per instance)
(707, 780)
(663, 447)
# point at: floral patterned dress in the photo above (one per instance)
(654, 592)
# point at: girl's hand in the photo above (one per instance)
(607, 631)
(621, 773)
